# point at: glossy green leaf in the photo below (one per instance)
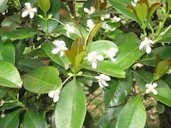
(101, 46)
(106, 67)
(21, 33)
(161, 69)
(164, 96)
(128, 51)
(10, 120)
(9, 75)
(70, 110)
(62, 61)
(118, 91)
(26, 64)
(7, 52)
(121, 6)
(133, 115)
(44, 5)
(164, 52)
(3, 4)
(34, 120)
(42, 80)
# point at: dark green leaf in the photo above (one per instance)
(164, 96)
(7, 52)
(133, 115)
(161, 69)
(128, 51)
(121, 6)
(21, 33)
(3, 4)
(42, 80)
(118, 91)
(164, 52)
(9, 75)
(34, 120)
(70, 110)
(10, 120)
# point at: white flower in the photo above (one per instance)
(93, 58)
(90, 24)
(151, 88)
(60, 47)
(106, 16)
(54, 94)
(134, 3)
(111, 53)
(116, 19)
(146, 45)
(89, 11)
(137, 65)
(28, 10)
(102, 78)
(107, 27)
(70, 29)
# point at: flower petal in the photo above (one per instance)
(154, 91)
(25, 13)
(94, 65)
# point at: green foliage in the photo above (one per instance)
(41, 81)
(34, 120)
(73, 104)
(75, 64)
(132, 115)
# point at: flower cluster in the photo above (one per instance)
(94, 57)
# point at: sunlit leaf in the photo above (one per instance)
(70, 110)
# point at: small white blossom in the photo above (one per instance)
(89, 11)
(116, 19)
(146, 45)
(29, 10)
(137, 65)
(151, 88)
(93, 58)
(106, 16)
(54, 95)
(134, 3)
(107, 27)
(102, 78)
(60, 47)
(111, 53)
(70, 29)
(90, 24)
